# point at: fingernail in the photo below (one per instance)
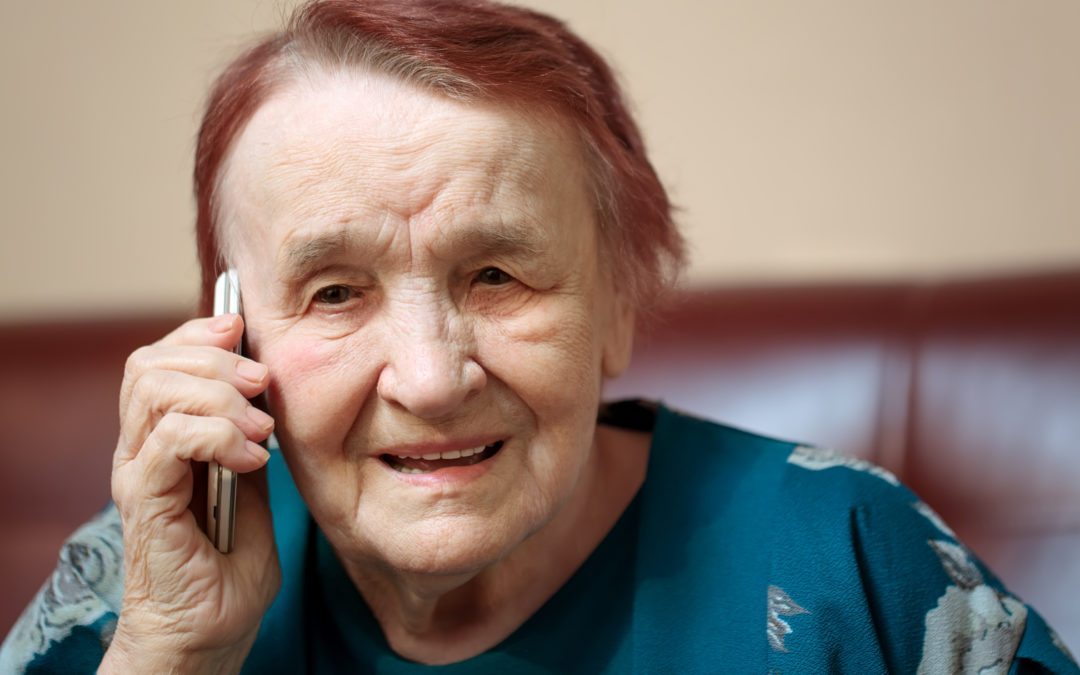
(260, 419)
(251, 370)
(258, 452)
(222, 323)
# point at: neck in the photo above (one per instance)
(439, 619)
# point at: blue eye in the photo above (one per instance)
(334, 295)
(493, 276)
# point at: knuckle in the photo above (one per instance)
(170, 440)
(222, 434)
(206, 431)
(222, 398)
(149, 386)
(173, 429)
(167, 437)
(117, 487)
(135, 363)
(184, 436)
(159, 393)
(225, 430)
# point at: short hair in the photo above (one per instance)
(469, 51)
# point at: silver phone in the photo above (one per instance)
(221, 490)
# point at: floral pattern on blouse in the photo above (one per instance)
(818, 459)
(974, 628)
(84, 591)
(776, 629)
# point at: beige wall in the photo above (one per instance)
(804, 140)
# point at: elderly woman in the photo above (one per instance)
(445, 228)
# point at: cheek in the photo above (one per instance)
(314, 381)
(552, 364)
(550, 354)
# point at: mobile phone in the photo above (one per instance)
(221, 490)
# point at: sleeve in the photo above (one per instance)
(70, 622)
(934, 607)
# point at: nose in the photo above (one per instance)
(429, 370)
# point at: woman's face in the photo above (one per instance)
(422, 278)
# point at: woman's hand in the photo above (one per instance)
(186, 606)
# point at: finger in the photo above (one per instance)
(247, 376)
(222, 331)
(161, 392)
(159, 477)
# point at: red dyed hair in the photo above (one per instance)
(468, 50)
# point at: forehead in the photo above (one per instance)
(335, 147)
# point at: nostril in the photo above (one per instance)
(474, 376)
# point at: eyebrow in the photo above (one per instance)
(513, 238)
(304, 257)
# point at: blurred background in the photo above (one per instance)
(833, 140)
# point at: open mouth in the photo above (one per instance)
(441, 460)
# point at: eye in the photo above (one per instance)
(493, 276)
(334, 295)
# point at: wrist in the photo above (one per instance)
(139, 652)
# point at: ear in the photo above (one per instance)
(619, 338)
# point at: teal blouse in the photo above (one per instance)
(739, 554)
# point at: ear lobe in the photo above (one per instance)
(619, 340)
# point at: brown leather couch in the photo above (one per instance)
(968, 390)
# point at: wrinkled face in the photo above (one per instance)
(423, 280)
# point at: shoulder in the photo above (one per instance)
(702, 455)
(780, 477)
(71, 620)
(853, 569)
(796, 479)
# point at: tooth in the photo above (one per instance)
(468, 452)
(432, 455)
(451, 454)
(412, 456)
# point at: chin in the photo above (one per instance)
(447, 546)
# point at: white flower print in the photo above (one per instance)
(974, 628)
(776, 629)
(818, 459)
(86, 585)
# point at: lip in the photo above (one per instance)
(447, 476)
(421, 449)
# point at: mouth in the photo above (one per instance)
(434, 461)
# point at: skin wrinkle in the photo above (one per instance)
(302, 255)
(425, 352)
(406, 148)
(440, 327)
